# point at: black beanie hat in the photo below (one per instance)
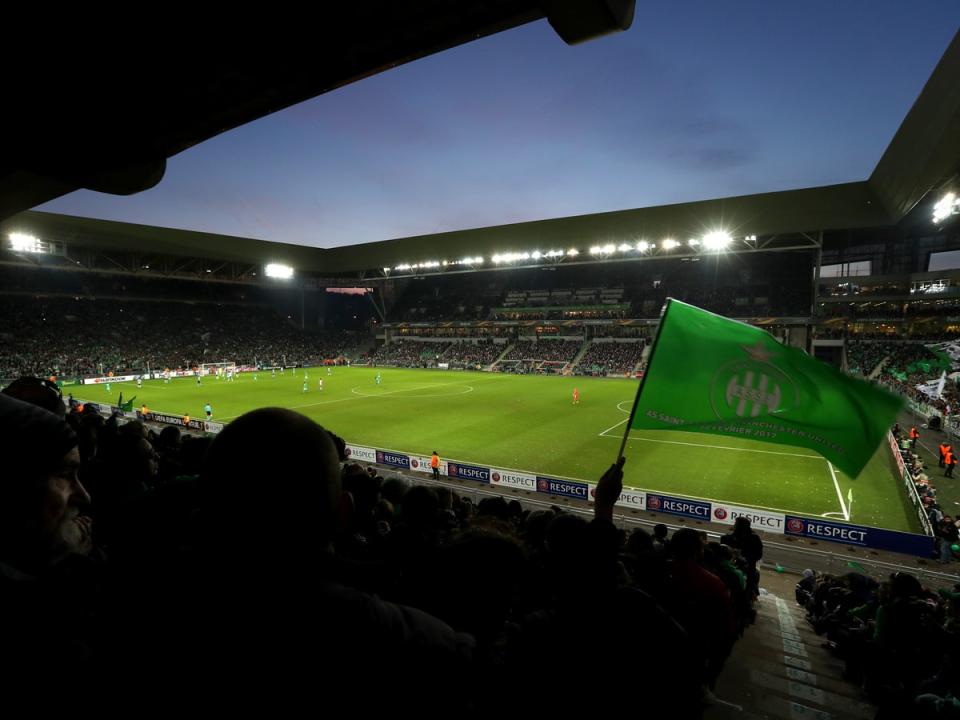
(33, 441)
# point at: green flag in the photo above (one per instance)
(128, 405)
(709, 374)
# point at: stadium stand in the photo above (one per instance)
(413, 572)
(263, 562)
(610, 358)
(539, 356)
(767, 287)
(408, 354)
(893, 638)
(473, 356)
(75, 337)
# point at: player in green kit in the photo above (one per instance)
(378, 379)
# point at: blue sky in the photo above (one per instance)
(699, 99)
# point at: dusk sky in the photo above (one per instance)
(699, 99)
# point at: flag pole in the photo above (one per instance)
(643, 380)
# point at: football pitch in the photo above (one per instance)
(530, 423)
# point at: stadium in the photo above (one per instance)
(491, 373)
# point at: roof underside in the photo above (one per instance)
(100, 106)
(923, 155)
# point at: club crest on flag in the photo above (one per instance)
(709, 374)
(752, 387)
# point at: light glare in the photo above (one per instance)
(716, 240)
(21, 242)
(276, 270)
(949, 205)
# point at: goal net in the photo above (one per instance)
(217, 368)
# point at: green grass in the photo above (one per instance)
(530, 423)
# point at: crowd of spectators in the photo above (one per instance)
(408, 354)
(896, 638)
(946, 406)
(67, 337)
(544, 350)
(470, 356)
(864, 357)
(261, 561)
(610, 358)
(563, 313)
(923, 483)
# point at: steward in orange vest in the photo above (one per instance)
(435, 465)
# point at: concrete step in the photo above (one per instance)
(779, 670)
(816, 656)
(772, 706)
(788, 627)
(730, 711)
(812, 696)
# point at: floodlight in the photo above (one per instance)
(21, 242)
(669, 244)
(716, 240)
(276, 270)
(949, 205)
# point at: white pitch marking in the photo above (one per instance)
(836, 484)
(612, 427)
(717, 447)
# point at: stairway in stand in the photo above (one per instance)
(778, 669)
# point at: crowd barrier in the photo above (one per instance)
(695, 509)
(910, 486)
(704, 510)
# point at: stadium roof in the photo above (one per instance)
(100, 105)
(923, 156)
